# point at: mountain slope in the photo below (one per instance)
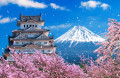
(79, 34)
(71, 54)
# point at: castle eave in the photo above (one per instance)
(12, 39)
(37, 22)
(22, 31)
(32, 46)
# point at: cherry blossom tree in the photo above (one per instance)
(108, 63)
(40, 65)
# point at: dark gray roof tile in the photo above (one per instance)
(34, 18)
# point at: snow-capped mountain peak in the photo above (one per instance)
(79, 34)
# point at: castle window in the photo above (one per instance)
(17, 42)
(27, 25)
(43, 51)
(48, 50)
(26, 35)
(35, 25)
(23, 42)
(30, 25)
(18, 50)
(45, 42)
(39, 42)
(24, 25)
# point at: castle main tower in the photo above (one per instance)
(30, 36)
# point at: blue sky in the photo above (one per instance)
(59, 15)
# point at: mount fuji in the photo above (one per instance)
(77, 41)
(79, 34)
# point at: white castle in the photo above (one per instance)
(29, 37)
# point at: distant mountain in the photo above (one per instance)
(79, 34)
(77, 41)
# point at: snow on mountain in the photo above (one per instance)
(79, 34)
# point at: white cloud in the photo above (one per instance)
(90, 4)
(104, 6)
(3, 2)
(31, 4)
(94, 4)
(7, 20)
(54, 6)
(58, 26)
(24, 3)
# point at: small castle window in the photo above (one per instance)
(17, 42)
(30, 25)
(39, 42)
(48, 50)
(26, 35)
(35, 25)
(24, 25)
(45, 42)
(23, 42)
(19, 50)
(27, 25)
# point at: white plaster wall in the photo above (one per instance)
(16, 50)
(40, 50)
(35, 42)
(41, 43)
(28, 50)
(20, 42)
(46, 50)
(14, 43)
(31, 50)
(9, 58)
(22, 25)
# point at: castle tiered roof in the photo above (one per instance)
(34, 19)
(27, 18)
(30, 29)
